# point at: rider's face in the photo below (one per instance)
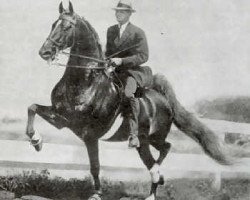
(122, 16)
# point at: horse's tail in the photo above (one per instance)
(192, 127)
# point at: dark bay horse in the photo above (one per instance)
(86, 101)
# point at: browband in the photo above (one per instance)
(67, 18)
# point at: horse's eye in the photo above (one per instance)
(67, 28)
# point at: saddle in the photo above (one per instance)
(142, 74)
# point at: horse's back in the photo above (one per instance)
(155, 115)
(155, 111)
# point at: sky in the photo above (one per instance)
(201, 46)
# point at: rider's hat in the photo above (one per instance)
(124, 5)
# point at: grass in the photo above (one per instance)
(41, 184)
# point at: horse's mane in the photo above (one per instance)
(94, 34)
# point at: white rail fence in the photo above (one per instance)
(72, 161)
(118, 162)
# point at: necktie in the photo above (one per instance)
(119, 31)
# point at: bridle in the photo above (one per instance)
(90, 65)
(94, 61)
(72, 22)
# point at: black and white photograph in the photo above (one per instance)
(124, 100)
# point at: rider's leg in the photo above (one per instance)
(133, 103)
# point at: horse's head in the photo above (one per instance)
(61, 35)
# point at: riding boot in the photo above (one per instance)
(133, 122)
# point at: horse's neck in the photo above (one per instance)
(94, 90)
(101, 95)
(86, 44)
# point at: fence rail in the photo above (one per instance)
(72, 160)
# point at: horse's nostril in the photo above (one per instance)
(45, 54)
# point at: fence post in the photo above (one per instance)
(216, 184)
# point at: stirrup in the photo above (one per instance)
(131, 138)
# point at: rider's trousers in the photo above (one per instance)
(132, 105)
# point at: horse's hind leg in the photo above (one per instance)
(149, 161)
(47, 113)
(145, 154)
(157, 140)
(163, 147)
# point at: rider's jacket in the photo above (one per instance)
(134, 50)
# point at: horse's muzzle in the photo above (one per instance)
(47, 55)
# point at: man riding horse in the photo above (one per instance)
(131, 42)
(86, 102)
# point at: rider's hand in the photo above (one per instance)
(110, 69)
(116, 61)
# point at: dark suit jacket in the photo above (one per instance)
(131, 58)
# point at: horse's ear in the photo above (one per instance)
(71, 10)
(61, 9)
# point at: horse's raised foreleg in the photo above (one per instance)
(30, 123)
(47, 113)
(36, 139)
(93, 152)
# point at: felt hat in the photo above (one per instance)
(124, 5)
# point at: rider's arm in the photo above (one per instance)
(109, 45)
(140, 52)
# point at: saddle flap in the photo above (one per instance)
(121, 134)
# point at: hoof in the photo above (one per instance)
(161, 180)
(37, 143)
(95, 197)
(151, 197)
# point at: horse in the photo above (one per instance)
(87, 101)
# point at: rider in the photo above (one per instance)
(131, 42)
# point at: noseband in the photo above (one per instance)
(66, 18)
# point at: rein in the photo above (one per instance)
(92, 58)
(90, 66)
(87, 57)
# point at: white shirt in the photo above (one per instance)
(122, 28)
